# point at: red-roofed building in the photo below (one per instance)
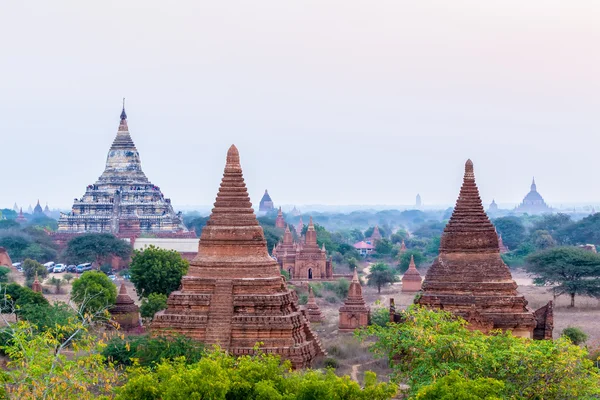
(364, 248)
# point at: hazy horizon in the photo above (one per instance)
(329, 102)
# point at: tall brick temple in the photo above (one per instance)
(123, 201)
(470, 279)
(234, 295)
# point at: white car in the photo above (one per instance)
(60, 268)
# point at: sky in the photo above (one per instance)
(329, 102)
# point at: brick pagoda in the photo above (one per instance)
(303, 260)
(234, 295)
(125, 312)
(354, 313)
(313, 311)
(279, 221)
(5, 258)
(468, 277)
(411, 280)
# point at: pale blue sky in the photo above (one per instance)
(331, 102)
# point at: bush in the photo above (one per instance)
(148, 351)
(155, 270)
(303, 299)
(575, 335)
(317, 289)
(153, 304)
(340, 287)
(332, 299)
(4, 273)
(330, 362)
(94, 292)
(30, 267)
(285, 274)
(380, 316)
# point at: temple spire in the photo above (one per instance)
(533, 185)
(123, 124)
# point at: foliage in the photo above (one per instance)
(405, 259)
(339, 287)
(542, 240)
(430, 229)
(93, 292)
(380, 316)
(516, 258)
(197, 224)
(570, 270)
(303, 299)
(4, 274)
(552, 223)
(30, 242)
(399, 236)
(512, 231)
(575, 335)
(149, 351)
(220, 376)
(383, 246)
(96, 247)
(285, 274)
(153, 304)
(30, 267)
(15, 297)
(106, 268)
(272, 235)
(456, 387)
(584, 231)
(352, 263)
(45, 316)
(369, 232)
(429, 345)
(381, 274)
(68, 277)
(39, 369)
(57, 283)
(155, 270)
(9, 224)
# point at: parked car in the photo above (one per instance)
(18, 266)
(60, 268)
(72, 268)
(50, 266)
(112, 277)
(84, 267)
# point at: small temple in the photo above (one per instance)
(36, 286)
(125, 312)
(21, 218)
(411, 280)
(38, 211)
(533, 203)
(469, 277)
(266, 204)
(123, 201)
(234, 295)
(303, 259)
(493, 207)
(402, 247)
(354, 313)
(418, 202)
(313, 312)
(279, 221)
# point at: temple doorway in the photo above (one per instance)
(310, 273)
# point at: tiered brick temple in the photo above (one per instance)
(125, 312)
(354, 313)
(533, 203)
(21, 217)
(375, 236)
(279, 221)
(266, 204)
(411, 280)
(303, 260)
(313, 312)
(234, 295)
(123, 201)
(469, 278)
(36, 286)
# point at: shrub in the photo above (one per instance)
(317, 289)
(575, 335)
(4, 273)
(153, 304)
(330, 362)
(380, 316)
(332, 299)
(148, 351)
(303, 299)
(93, 291)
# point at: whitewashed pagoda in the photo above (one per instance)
(123, 201)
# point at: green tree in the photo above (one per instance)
(429, 345)
(456, 387)
(405, 259)
(352, 263)
(399, 236)
(380, 316)
(57, 283)
(584, 231)
(68, 277)
(383, 247)
(93, 291)
(9, 224)
(15, 297)
(430, 229)
(552, 223)
(542, 240)
(31, 267)
(221, 376)
(153, 304)
(4, 274)
(575, 335)
(512, 231)
(570, 270)
(381, 274)
(95, 247)
(155, 270)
